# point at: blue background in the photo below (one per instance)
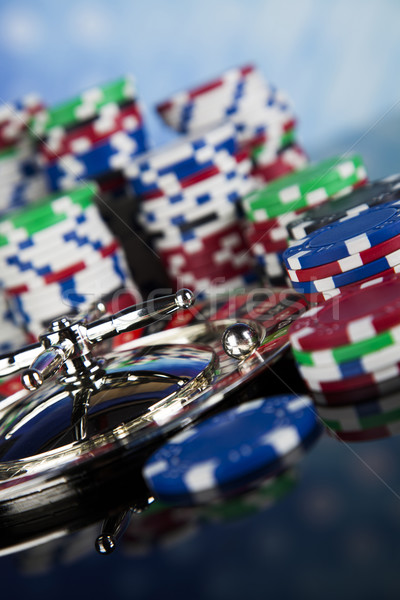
(337, 534)
(337, 59)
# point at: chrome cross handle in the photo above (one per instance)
(70, 343)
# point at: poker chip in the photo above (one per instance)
(341, 280)
(348, 263)
(111, 155)
(360, 200)
(283, 161)
(348, 352)
(85, 106)
(58, 257)
(345, 238)
(307, 187)
(354, 316)
(373, 361)
(110, 119)
(240, 95)
(232, 450)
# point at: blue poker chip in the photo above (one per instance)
(232, 450)
(148, 179)
(344, 238)
(100, 159)
(342, 279)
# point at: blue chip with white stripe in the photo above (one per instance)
(344, 238)
(232, 450)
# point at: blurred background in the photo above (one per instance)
(338, 532)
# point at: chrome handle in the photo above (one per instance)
(46, 365)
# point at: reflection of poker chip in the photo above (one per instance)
(263, 497)
(363, 388)
(379, 418)
(232, 450)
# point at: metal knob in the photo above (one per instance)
(240, 340)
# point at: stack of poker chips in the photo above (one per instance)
(347, 350)
(262, 115)
(270, 209)
(189, 192)
(92, 136)
(349, 252)
(369, 195)
(59, 258)
(21, 178)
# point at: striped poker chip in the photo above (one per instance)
(232, 450)
(180, 260)
(182, 156)
(371, 194)
(44, 213)
(223, 206)
(111, 155)
(266, 151)
(85, 106)
(172, 187)
(271, 262)
(289, 159)
(110, 119)
(374, 361)
(226, 239)
(341, 354)
(236, 265)
(356, 315)
(341, 280)
(230, 77)
(366, 415)
(27, 277)
(161, 211)
(345, 238)
(67, 237)
(305, 188)
(347, 264)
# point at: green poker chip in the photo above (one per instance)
(348, 352)
(44, 214)
(305, 188)
(85, 106)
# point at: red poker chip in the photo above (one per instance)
(264, 239)
(210, 272)
(126, 119)
(262, 138)
(209, 245)
(353, 315)
(282, 165)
